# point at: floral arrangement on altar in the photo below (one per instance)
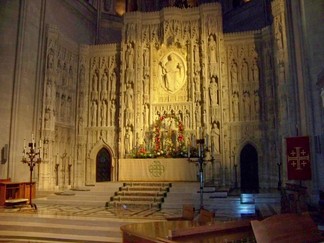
(167, 137)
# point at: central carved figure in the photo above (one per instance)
(172, 72)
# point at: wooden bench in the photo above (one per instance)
(215, 227)
(284, 228)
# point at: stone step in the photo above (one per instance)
(96, 195)
(136, 199)
(133, 204)
(147, 184)
(52, 229)
(144, 194)
(143, 188)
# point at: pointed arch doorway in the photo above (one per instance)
(249, 169)
(103, 166)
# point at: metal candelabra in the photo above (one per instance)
(201, 143)
(31, 158)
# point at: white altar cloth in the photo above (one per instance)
(157, 169)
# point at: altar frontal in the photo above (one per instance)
(157, 169)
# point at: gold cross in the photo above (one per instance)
(298, 158)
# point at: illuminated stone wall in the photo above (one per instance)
(175, 64)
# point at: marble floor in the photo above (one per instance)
(55, 221)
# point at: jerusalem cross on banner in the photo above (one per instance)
(298, 158)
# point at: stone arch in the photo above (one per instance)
(103, 165)
(91, 166)
(249, 168)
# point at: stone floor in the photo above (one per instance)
(57, 222)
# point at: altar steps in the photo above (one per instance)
(140, 194)
(35, 227)
(225, 204)
(96, 195)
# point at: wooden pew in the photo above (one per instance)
(284, 228)
(216, 227)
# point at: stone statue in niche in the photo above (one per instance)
(247, 105)
(212, 56)
(245, 71)
(196, 81)
(95, 79)
(129, 57)
(172, 72)
(103, 112)
(94, 113)
(233, 73)
(213, 91)
(50, 59)
(112, 112)
(104, 82)
(256, 103)
(64, 75)
(235, 107)
(255, 71)
(129, 94)
(128, 140)
(49, 91)
(112, 85)
(70, 77)
(215, 138)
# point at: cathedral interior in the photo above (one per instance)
(97, 84)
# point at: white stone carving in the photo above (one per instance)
(172, 72)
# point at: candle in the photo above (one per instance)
(206, 140)
(188, 151)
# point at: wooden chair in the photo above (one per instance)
(205, 216)
(188, 213)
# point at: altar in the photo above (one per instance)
(157, 169)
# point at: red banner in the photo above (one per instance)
(298, 158)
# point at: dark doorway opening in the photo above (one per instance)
(103, 165)
(249, 170)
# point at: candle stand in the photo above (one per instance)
(31, 158)
(201, 160)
